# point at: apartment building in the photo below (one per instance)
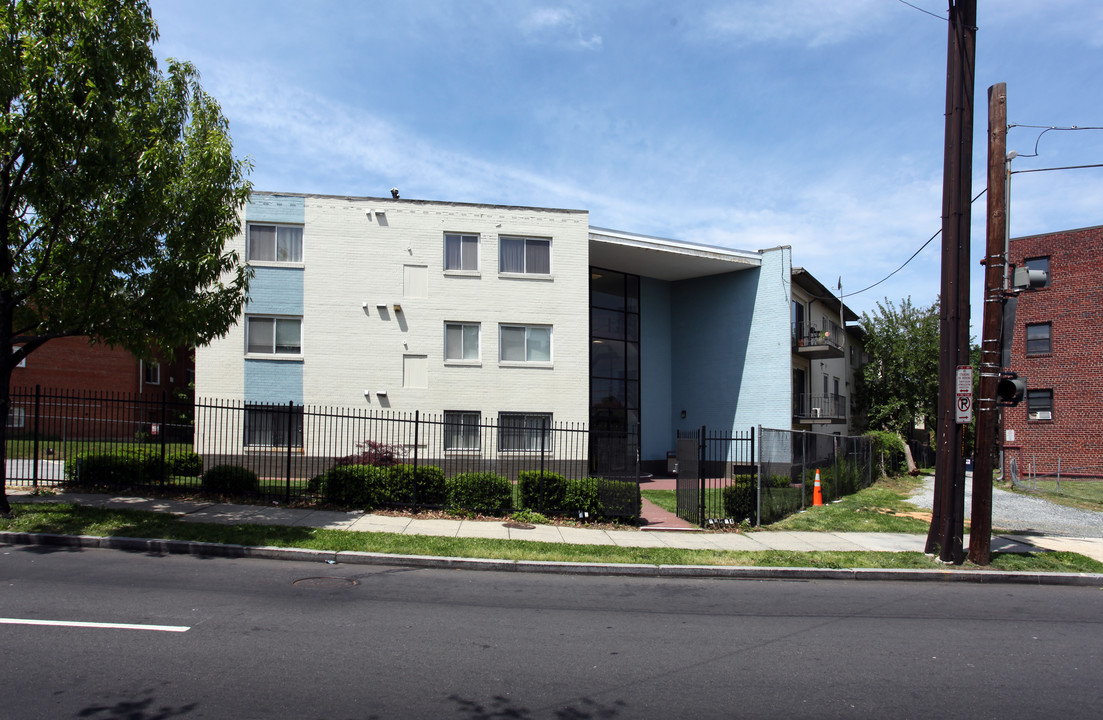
(497, 314)
(1056, 348)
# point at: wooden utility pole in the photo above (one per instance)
(947, 523)
(980, 531)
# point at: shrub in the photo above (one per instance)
(582, 497)
(230, 480)
(114, 469)
(400, 481)
(778, 481)
(888, 451)
(358, 486)
(618, 498)
(482, 492)
(739, 498)
(374, 453)
(185, 462)
(546, 492)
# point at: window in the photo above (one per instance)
(524, 255)
(461, 341)
(521, 432)
(269, 425)
(1039, 337)
(461, 252)
(273, 336)
(1040, 263)
(275, 244)
(17, 417)
(461, 430)
(524, 343)
(1039, 404)
(151, 373)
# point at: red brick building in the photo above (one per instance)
(1058, 348)
(82, 382)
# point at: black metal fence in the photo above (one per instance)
(52, 436)
(717, 477)
(726, 478)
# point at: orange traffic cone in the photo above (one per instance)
(817, 493)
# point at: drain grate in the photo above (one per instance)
(325, 582)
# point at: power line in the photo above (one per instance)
(921, 248)
(928, 12)
(1047, 128)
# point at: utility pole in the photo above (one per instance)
(991, 347)
(947, 523)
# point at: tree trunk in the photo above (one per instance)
(913, 469)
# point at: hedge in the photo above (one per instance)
(481, 492)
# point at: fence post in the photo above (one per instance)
(290, 441)
(543, 432)
(701, 478)
(38, 409)
(803, 469)
(758, 481)
(417, 423)
(164, 427)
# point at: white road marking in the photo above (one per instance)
(108, 626)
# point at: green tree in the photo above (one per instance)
(118, 188)
(899, 384)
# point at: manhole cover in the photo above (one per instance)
(519, 526)
(325, 582)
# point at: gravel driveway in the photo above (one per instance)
(1018, 513)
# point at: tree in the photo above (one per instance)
(118, 188)
(900, 382)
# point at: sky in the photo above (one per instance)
(737, 123)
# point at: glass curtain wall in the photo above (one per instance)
(615, 363)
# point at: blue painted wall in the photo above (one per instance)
(275, 208)
(275, 291)
(273, 381)
(656, 429)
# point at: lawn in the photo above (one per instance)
(1086, 494)
(78, 520)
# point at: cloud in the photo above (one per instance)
(807, 22)
(558, 26)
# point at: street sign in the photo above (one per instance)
(963, 406)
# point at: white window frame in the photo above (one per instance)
(462, 238)
(529, 434)
(528, 330)
(273, 353)
(274, 262)
(1039, 405)
(463, 326)
(463, 425)
(525, 272)
(151, 369)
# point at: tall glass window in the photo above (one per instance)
(614, 351)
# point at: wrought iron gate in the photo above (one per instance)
(717, 477)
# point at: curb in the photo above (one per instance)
(350, 557)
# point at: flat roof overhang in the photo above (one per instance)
(663, 259)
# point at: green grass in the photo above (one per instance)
(666, 499)
(877, 508)
(78, 520)
(1086, 494)
(23, 448)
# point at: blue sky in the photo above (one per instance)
(739, 123)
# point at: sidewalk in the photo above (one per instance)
(229, 514)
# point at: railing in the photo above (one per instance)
(806, 334)
(289, 447)
(816, 407)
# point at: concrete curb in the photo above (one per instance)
(348, 557)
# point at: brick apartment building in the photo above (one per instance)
(1058, 348)
(79, 381)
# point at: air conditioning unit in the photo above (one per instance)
(1042, 415)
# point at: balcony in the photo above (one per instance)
(818, 342)
(819, 409)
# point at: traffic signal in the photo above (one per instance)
(1011, 389)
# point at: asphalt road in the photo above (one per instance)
(274, 639)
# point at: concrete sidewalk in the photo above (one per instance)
(229, 514)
